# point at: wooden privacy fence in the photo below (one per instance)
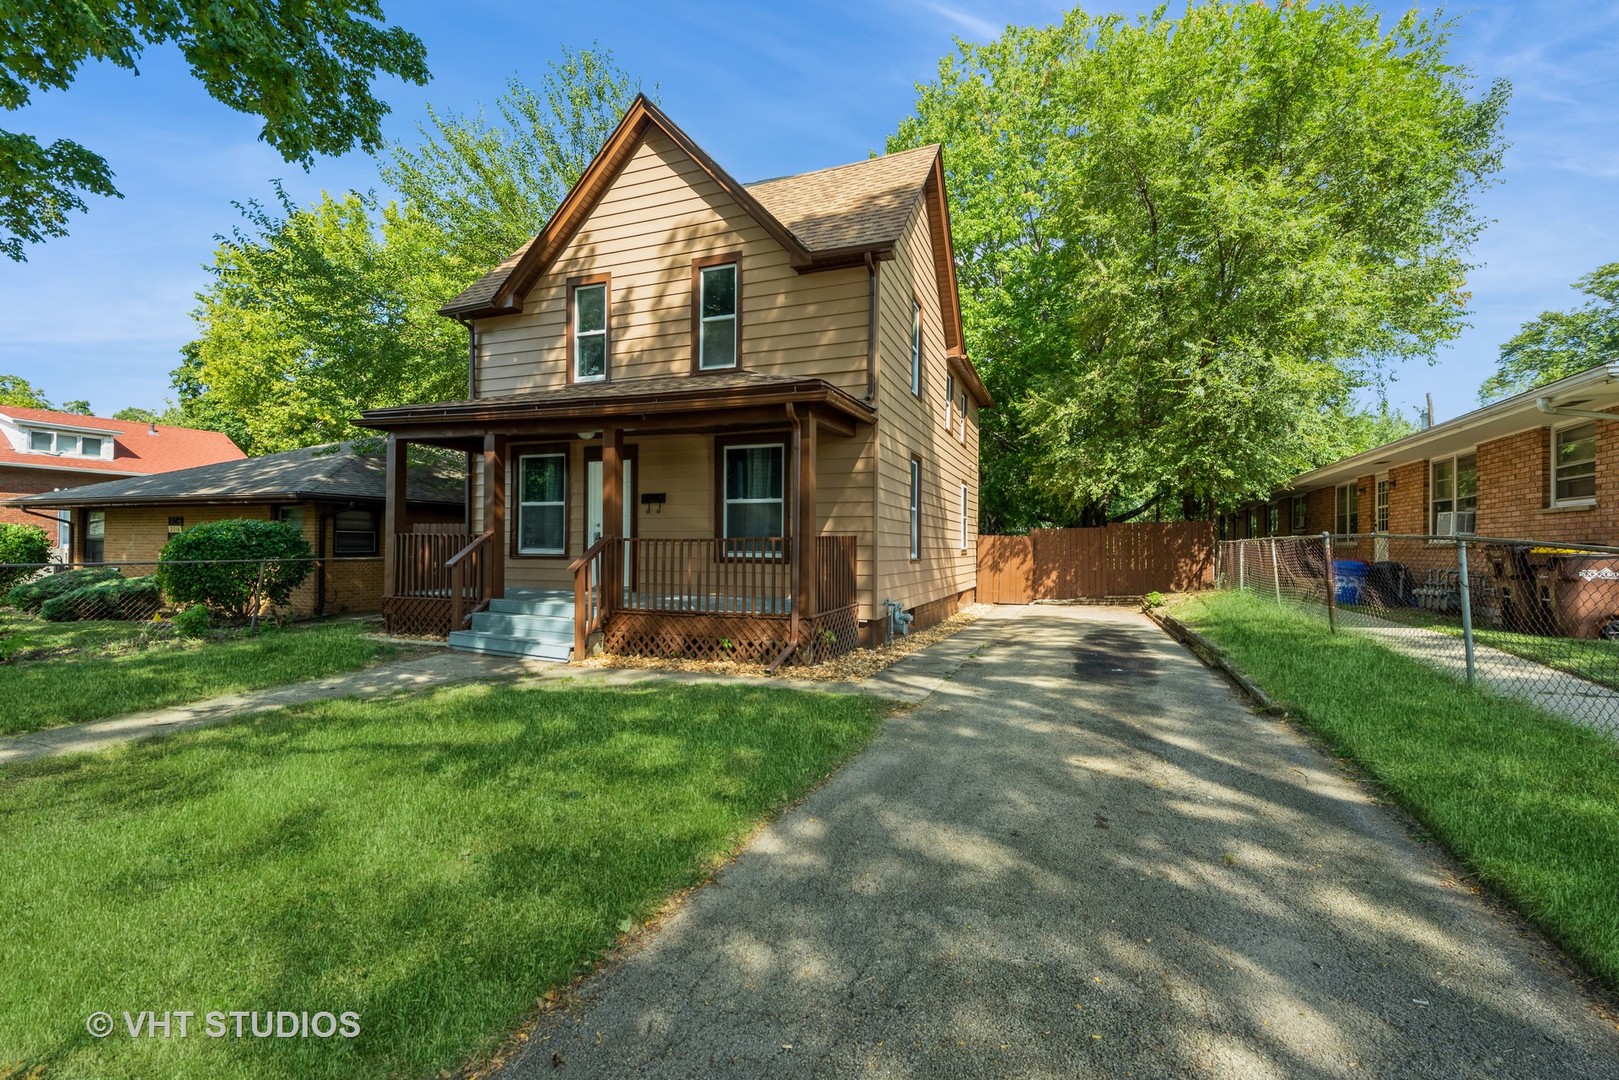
(1115, 560)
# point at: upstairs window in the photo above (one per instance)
(42, 441)
(949, 400)
(588, 341)
(916, 346)
(1574, 464)
(67, 443)
(717, 332)
(90, 446)
(963, 425)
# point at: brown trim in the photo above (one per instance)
(598, 176)
(698, 265)
(771, 436)
(873, 273)
(515, 453)
(916, 459)
(606, 281)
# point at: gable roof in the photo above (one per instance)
(337, 472)
(139, 448)
(863, 206)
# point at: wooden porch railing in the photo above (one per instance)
(590, 606)
(707, 576)
(420, 560)
(837, 584)
(472, 580)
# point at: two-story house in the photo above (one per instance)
(706, 419)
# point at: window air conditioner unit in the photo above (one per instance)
(1465, 522)
(1444, 524)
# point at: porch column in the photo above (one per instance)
(805, 599)
(612, 506)
(494, 508)
(395, 517)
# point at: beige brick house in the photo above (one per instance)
(707, 418)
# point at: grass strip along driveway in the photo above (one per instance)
(1528, 801)
(433, 864)
(97, 681)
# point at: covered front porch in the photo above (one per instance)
(685, 518)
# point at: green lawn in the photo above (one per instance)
(433, 864)
(70, 672)
(1528, 801)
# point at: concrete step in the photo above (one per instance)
(502, 645)
(553, 606)
(537, 627)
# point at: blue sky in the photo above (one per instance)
(768, 90)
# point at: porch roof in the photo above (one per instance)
(706, 398)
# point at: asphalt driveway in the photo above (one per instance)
(1082, 856)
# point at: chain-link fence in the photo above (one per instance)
(250, 589)
(1533, 619)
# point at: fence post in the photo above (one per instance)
(1332, 584)
(1466, 590)
(1242, 566)
(1275, 571)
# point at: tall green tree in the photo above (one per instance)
(305, 67)
(1184, 243)
(1555, 344)
(318, 313)
(16, 390)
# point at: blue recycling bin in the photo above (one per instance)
(1350, 575)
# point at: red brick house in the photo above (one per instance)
(42, 450)
(1543, 465)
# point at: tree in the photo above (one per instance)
(318, 313)
(77, 405)
(1185, 243)
(16, 390)
(304, 67)
(1556, 344)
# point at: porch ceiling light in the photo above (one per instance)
(588, 435)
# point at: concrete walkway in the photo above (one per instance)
(1577, 700)
(1081, 856)
(908, 681)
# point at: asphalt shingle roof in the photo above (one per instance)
(337, 472)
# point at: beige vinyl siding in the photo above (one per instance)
(910, 426)
(848, 469)
(659, 214)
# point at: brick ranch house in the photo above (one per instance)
(707, 419)
(42, 450)
(1543, 465)
(334, 494)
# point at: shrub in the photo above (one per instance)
(31, 595)
(195, 570)
(117, 598)
(21, 544)
(193, 621)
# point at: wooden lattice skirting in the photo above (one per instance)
(416, 615)
(746, 638)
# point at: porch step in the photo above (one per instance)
(553, 606)
(538, 627)
(501, 645)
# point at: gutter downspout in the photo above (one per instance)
(871, 331)
(1545, 405)
(797, 526)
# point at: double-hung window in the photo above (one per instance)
(963, 517)
(354, 532)
(1347, 519)
(717, 329)
(589, 339)
(916, 508)
(949, 400)
(916, 346)
(1453, 487)
(1300, 508)
(1380, 511)
(755, 498)
(95, 536)
(1574, 464)
(542, 504)
(961, 432)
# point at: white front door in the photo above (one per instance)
(593, 506)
